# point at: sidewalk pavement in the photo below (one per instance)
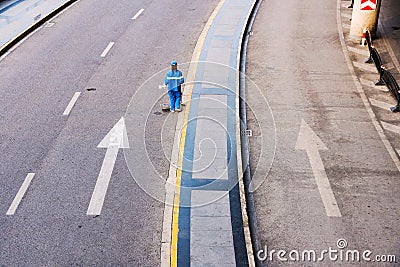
(210, 229)
(389, 36)
(311, 76)
(17, 16)
(388, 45)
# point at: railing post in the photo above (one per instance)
(380, 82)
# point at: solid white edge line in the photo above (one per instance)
(24, 39)
(360, 90)
(20, 194)
(346, 15)
(108, 48)
(138, 14)
(71, 103)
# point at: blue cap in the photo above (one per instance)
(174, 63)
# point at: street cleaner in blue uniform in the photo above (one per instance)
(174, 80)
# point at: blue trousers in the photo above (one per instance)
(174, 99)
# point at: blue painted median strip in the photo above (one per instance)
(189, 185)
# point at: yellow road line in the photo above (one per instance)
(192, 76)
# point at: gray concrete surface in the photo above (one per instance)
(50, 227)
(211, 230)
(296, 58)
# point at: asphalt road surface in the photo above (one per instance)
(324, 133)
(50, 226)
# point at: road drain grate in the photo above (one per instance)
(247, 133)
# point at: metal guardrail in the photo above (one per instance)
(385, 76)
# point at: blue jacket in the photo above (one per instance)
(174, 79)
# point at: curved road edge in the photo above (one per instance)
(7, 46)
(244, 147)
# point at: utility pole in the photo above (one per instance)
(365, 15)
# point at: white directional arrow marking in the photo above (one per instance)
(310, 142)
(117, 138)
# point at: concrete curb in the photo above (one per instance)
(7, 46)
(251, 211)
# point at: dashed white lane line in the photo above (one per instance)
(365, 66)
(138, 14)
(391, 127)
(108, 48)
(380, 104)
(20, 194)
(363, 52)
(71, 103)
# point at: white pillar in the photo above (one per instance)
(363, 16)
